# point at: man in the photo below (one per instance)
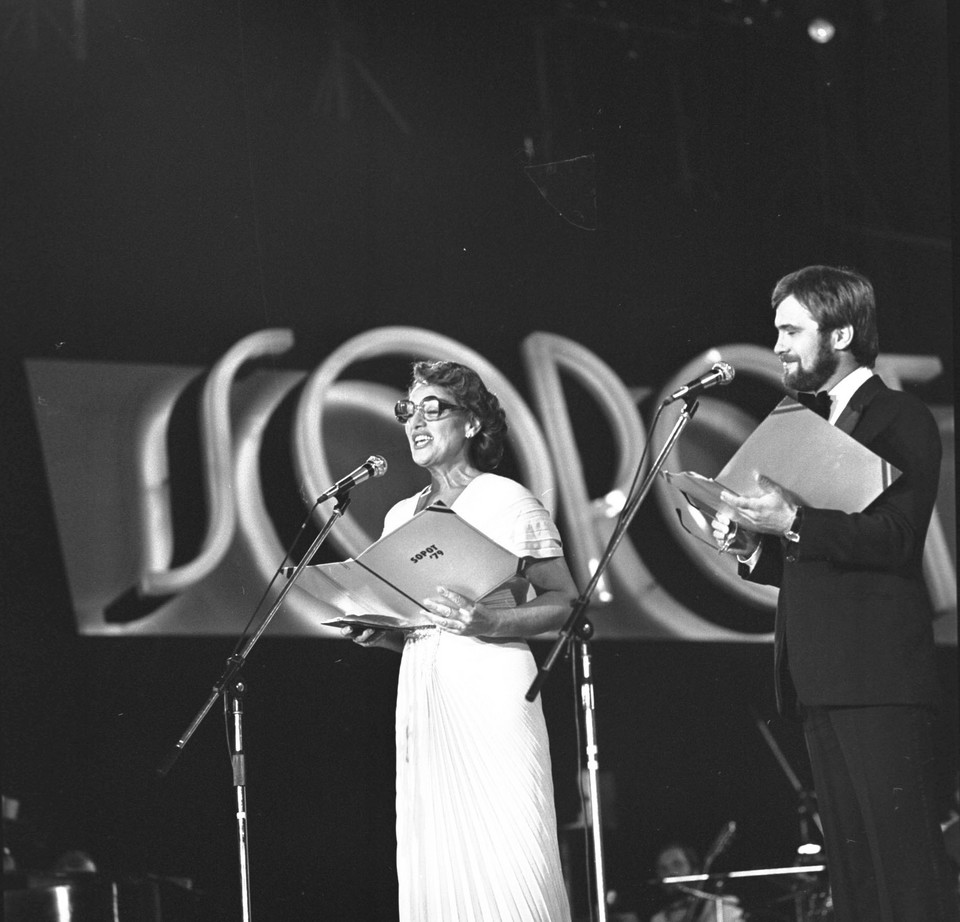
(678, 860)
(854, 650)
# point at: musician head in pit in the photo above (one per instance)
(826, 321)
(453, 423)
(676, 859)
(690, 902)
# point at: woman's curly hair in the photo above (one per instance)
(485, 449)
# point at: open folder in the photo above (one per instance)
(818, 463)
(384, 586)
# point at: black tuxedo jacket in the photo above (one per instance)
(854, 621)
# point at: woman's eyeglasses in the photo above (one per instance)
(431, 408)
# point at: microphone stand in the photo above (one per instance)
(807, 801)
(231, 686)
(233, 714)
(578, 624)
(700, 895)
(806, 809)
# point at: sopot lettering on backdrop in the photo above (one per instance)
(105, 430)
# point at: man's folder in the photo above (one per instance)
(816, 462)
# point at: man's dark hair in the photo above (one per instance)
(836, 297)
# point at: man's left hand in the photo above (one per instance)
(771, 510)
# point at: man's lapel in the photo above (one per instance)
(849, 419)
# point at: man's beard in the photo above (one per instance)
(825, 363)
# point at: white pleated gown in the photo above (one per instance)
(476, 822)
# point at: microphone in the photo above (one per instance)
(374, 466)
(721, 373)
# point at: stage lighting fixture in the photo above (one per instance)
(821, 30)
(809, 849)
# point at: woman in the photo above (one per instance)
(476, 826)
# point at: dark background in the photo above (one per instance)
(191, 172)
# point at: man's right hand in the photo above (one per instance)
(731, 538)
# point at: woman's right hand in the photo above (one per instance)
(364, 636)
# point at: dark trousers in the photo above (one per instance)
(874, 778)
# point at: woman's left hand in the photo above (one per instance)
(457, 614)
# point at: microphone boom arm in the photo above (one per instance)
(236, 661)
(579, 606)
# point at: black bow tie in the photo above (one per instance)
(819, 402)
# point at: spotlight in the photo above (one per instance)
(821, 30)
(809, 849)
